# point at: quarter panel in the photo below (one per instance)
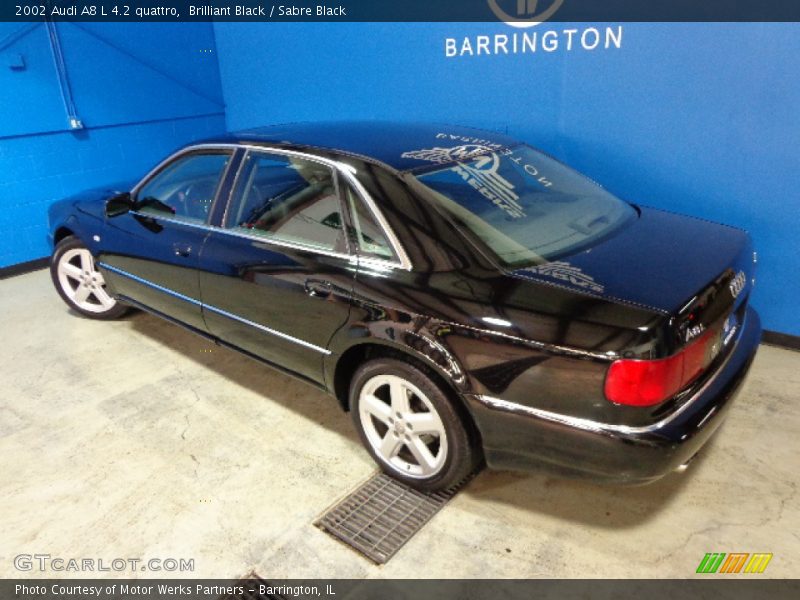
(500, 336)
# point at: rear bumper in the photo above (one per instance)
(520, 438)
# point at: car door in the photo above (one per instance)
(150, 254)
(276, 277)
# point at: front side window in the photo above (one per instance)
(526, 207)
(185, 189)
(288, 199)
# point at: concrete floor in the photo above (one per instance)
(137, 439)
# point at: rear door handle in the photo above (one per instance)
(318, 289)
(182, 249)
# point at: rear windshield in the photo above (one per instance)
(526, 207)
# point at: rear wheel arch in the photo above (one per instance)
(358, 354)
(389, 394)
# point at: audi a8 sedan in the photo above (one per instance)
(468, 299)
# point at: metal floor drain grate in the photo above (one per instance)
(379, 517)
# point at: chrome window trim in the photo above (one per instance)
(248, 150)
(179, 221)
(388, 232)
(176, 155)
(403, 261)
(255, 238)
(610, 428)
(212, 308)
(378, 264)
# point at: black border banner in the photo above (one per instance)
(521, 14)
(716, 586)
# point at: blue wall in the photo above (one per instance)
(140, 91)
(698, 118)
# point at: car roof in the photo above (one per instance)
(401, 146)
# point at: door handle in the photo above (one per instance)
(318, 289)
(182, 249)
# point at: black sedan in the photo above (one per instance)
(466, 297)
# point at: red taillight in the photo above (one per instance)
(648, 382)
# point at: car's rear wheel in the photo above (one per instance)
(79, 283)
(410, 426)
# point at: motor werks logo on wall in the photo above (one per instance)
(524, 16)
(528, 13)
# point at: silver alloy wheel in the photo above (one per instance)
(82, 283)
(402, 426)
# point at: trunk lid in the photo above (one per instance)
(698, 272)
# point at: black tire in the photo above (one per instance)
(66, 251)
(462, 453)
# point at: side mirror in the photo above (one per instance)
(119, 204)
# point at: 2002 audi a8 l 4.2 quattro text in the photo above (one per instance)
(467, 298)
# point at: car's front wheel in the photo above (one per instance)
(79, 283)
(410, 426)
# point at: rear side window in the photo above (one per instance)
(288, 199)
(185, 189)
(367, 233)
(525, 207)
